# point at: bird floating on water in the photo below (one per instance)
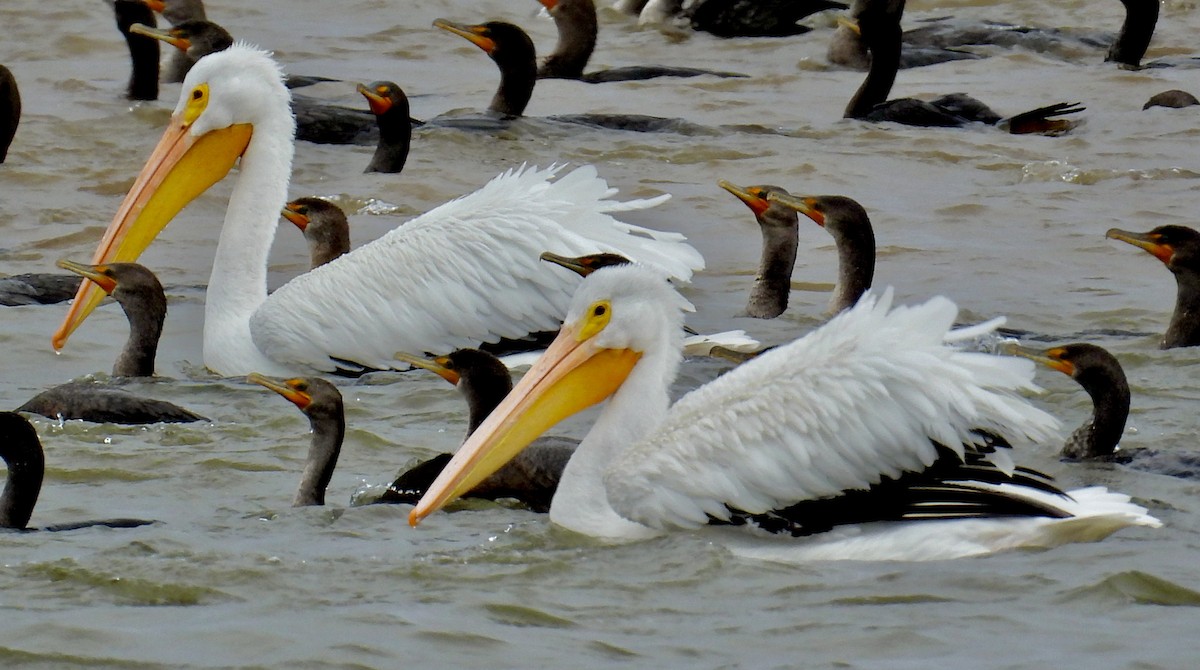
(1178, 247)
(879, 22)
(577, 32)
(141, 297)
(22, 453)
(866, 439)
(390, 107)
(484, 381)
(1098, 439)
(324, 225)
(460, 275)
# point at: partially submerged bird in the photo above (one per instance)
(1127, 48)
(316, 121)
(22, 453)
(1173, 98)
(10, 110)
(1099, 438)
(37, 288)
(577, 31)
(778, 223)
(847, 49)
(143, 50)
(194, 38)
(869, 419)
(141, 297)
(1178, 247)
(178, 12)
(324, 226)
(513, 52)
(1099, 373)
(390, 107)
(879, 21)
(355, 312)
(731, 18)
(848, 223)
(484, 381)
(321, 402)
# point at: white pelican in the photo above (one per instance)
(406, 291)
(833, 440)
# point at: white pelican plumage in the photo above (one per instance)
(806, 440)
(403, 292)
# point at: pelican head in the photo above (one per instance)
(619, 317)
(227, 98)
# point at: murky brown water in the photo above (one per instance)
(234, 577)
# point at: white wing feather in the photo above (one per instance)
(859, 399)
(464, 273)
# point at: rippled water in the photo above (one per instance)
(233, 577)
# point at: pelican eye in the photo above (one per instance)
(598, 316)
(197, 102)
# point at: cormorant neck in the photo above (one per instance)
(577, 27)
(769, 297)
(26, 465)
(1099, 436)
(329, 429)
(145, 327)
(1141, 16)
(395, 136)
(1184, 330)
(481, 401)
(885, 63)
(517, 77)
(856, 265)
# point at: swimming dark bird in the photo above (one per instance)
(143, 50)
(577, 31)
(324, 226)
(316, 121)
(178, 12)
(585, 265)
(22, 453)
(390, 107)
(513, 52)
(321, 402)
(1126, 49)
(1098, 439)
(847, 49)
(731, 18)
(10, 110)
(778, 223)
(1173, 98)
(1178, 247)
(879, 21)
(194, 38)
(755, 18)
(484, 381)
(1099, 373)
(141, 296)
(37, 288)
(848, 223)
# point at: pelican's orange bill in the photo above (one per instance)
(571, 376)
(181, 167)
